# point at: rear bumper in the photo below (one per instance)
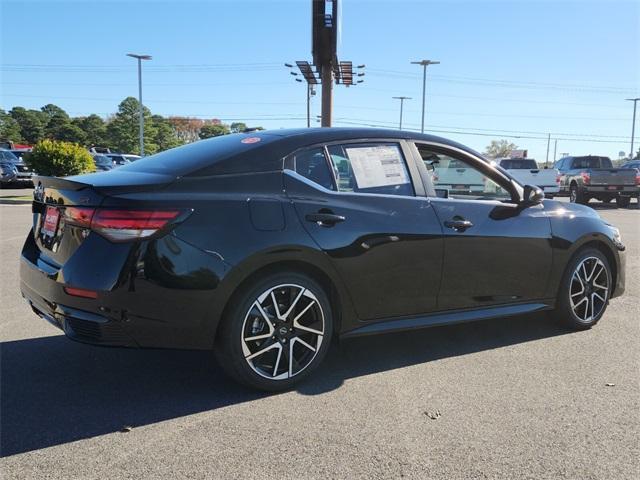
(629, 190)
(80, 325)
(152, 294)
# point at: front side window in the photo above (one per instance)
(460, 178)
(378, 168)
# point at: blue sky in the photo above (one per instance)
(508, 68)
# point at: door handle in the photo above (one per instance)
(324, 219)
(458, 224)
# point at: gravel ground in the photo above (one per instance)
(511, 398)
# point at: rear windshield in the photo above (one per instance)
(518, 164)
(102, 160)
(199, 155)
(591, 162)
(9, 156)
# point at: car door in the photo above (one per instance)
(358, 201)
(495, 251)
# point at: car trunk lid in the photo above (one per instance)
(63, 208)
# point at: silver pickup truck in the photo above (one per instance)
(584, 178)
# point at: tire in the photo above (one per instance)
(576, 195)
(571, 309)
(623, 201)
(304, 330)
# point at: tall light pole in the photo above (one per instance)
(425, 64)
(140, 58)
(633, 124)
(402, 99)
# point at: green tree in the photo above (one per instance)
(122, 131)
(500, 148)
(213, 130)
(94, 128)
(50, 110)
(55, 158)
(238, 127)
(31, 124)
(165, 134)
(9, 128)
(60, 127)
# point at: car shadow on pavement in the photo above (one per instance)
(55, 391)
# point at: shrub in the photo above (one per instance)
(59, 159)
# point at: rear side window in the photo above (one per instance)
(312, 164)
(371, 168)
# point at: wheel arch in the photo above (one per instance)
(607, 251)
(601, 243)
(313, 264)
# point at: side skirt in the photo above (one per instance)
(446, 318)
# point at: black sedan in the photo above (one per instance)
(263, 246)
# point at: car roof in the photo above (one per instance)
(262, 150)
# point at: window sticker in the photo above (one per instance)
(378, 166)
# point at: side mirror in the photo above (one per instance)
(532, 195)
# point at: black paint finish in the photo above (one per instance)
(388, 262)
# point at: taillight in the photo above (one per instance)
(120, 225)
(586, 177)
(80, 292)
(558, 179)
(79, 216)
(638, 178)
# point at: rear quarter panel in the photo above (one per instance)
(245, 222)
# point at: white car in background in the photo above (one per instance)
(527, 172)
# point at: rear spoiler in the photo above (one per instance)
(113, 183)
(57, 182)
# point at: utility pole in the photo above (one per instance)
(546, 162)
(309, 105)
(555, 149)
(633, 125)
(402, 99)
(140, 58)
(425, 64)
(326, 76)
(324, 48)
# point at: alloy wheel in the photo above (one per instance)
(589, 289)
(283, 331)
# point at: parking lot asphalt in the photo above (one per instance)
(512, 398)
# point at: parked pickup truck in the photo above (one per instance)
(526, 171)
(457, 177)
(584, 178)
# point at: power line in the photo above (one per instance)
(500, 82)
(374, 123)
(477, 114)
